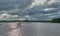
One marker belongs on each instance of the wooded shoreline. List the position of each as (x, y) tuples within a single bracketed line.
[(57, 20)]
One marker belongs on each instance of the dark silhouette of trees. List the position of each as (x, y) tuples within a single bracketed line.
[(57, 20)]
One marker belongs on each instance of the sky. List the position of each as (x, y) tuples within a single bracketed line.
[(30, 9)]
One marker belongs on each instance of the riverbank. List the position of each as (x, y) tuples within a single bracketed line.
[(57, 20)]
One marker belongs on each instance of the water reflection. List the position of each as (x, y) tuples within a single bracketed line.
[(10, 29), (29, 29), (14, 31)]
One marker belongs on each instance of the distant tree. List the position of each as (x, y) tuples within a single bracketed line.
[(56, 20)]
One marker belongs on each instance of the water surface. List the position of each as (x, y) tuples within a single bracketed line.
[(29, 29)]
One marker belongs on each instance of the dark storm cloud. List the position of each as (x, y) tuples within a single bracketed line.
[(33, 9), (11, 4)]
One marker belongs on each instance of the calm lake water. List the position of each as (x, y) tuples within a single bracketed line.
[(29, 29)]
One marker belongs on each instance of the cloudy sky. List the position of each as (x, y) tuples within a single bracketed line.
[(30, 9)]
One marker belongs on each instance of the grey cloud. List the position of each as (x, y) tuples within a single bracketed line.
[(54, 5), (12, 4), (16, 7)]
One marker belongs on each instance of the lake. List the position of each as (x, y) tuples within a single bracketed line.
[(29, 29)]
